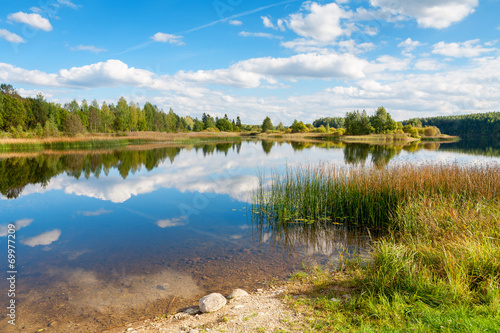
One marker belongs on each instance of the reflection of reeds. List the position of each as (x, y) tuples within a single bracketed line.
[(367, 196)]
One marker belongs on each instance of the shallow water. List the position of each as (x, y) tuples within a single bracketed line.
[(108, 237)]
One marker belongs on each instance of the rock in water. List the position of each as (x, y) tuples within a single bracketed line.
[(212, 302), (236, 293)]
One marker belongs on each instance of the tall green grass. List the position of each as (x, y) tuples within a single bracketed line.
[(366, 196), (437, 269)]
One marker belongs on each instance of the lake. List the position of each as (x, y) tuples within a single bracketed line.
[(112, 236)]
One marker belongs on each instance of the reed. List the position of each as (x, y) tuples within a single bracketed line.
[(366, 196), (437, 269)]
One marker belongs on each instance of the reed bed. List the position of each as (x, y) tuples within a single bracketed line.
[(367, 196), (437, 269)]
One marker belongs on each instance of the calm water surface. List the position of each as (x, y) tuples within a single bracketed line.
[(108, 237)]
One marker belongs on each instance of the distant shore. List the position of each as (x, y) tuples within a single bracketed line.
[(102, 140)]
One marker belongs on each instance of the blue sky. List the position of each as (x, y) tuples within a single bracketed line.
[(283, 59)]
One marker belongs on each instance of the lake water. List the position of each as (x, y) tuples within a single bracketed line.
[(113, 236)]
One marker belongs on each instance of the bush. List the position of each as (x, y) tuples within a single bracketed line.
[(73, 125)]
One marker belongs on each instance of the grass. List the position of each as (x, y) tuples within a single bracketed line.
[(108, 141), (365, 196), (437, 269)]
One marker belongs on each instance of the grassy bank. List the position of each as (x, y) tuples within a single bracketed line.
[(111, 141), (436, 270)]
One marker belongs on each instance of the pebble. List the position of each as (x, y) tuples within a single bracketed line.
[(212, 302), (236, 293)]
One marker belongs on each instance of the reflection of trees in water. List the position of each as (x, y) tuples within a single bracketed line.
[(267, 145), (318, 238), (357, 153), (17, 173), (484, 146)]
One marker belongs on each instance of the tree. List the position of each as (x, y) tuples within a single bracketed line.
[(357, 123), (238, 121), (108, 118), (14, 113), (414, 122), (267, 125), (208, 121), (122, 115), (73, 125), (281, 127), (224, 125), (298, 127), (189, 123), (198, 125)]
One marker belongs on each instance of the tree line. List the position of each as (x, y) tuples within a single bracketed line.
[(470, 125), (38, 117)]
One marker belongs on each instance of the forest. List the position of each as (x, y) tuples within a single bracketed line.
[(37, 117), (25, 117), (470, 125)]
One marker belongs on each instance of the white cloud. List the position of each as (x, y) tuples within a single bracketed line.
[(436, 14), (409, 45), (34, 20), (67, 3), (11, 37), (169, 223), (22, 223), (167, 38), (46, 238), (259, 34), (98, 212), (36, 10), (469, 49), (267, 22), (321, 23), (428, 65), (90, 48), (280, 24), (235, 22)]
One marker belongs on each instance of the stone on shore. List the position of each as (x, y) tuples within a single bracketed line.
[(237, 293), (212, 302)]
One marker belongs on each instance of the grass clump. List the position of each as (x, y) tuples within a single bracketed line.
[(366, 196), (437, 269)]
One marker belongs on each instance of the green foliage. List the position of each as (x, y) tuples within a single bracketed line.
[(335, 122), (298, 127), (73, 125), (471, 125), (357, 123), (208, 121), (224, 125), (267, 125), (281, 127), (14, 113), (414, 122)]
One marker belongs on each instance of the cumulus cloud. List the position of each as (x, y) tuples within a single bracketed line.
[(167, 38), (46, 238), (235, 22), (169, 223), (22, 223), (427, 64), (90, 48), (321, 23), (409, 45), (10, 36), (33, 19), (259, 34), (438, 14), (468, 49)]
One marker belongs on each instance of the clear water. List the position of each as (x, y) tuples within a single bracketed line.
[(109, 237)]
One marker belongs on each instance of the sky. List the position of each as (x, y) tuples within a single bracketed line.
[(283, 59)]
